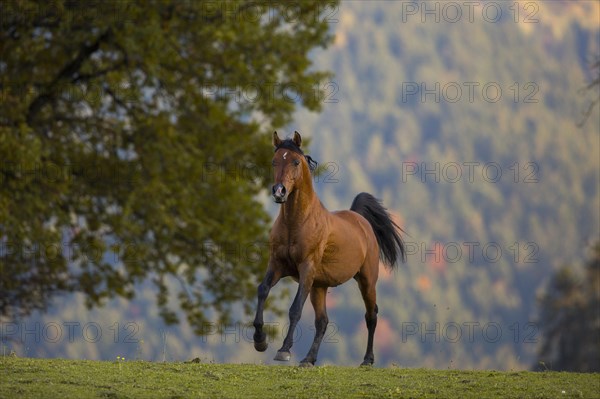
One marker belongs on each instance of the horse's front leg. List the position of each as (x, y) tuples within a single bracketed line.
[(304, 286), (260, 338)]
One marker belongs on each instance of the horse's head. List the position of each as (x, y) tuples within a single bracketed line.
[(290, 166)]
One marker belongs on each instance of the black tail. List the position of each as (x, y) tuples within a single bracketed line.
[(387, 232)]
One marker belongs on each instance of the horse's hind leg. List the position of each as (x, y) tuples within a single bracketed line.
[(317, 298), (367, 289)]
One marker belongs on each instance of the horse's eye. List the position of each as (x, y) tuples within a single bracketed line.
[(273, 163), (296, 162)]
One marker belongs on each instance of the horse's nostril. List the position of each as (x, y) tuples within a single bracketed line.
[(278, 190)]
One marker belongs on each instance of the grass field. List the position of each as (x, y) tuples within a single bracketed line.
[(54, 378)]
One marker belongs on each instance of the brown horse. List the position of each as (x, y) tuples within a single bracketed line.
[(321, 249)]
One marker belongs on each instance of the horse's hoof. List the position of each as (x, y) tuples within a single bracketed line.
[(283, 356), (306, 364), (366, 363), (261, 346)]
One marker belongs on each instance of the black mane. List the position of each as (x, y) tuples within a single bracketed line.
[(289, 144)]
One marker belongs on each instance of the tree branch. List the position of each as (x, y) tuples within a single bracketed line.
[(49, 95)]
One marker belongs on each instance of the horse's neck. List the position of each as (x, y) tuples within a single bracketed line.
[(301, 205)]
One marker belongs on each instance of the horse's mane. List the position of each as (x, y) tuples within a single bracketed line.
[(289, 144)]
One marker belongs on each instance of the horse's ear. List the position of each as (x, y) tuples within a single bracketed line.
[(276, 140), (297, 139)]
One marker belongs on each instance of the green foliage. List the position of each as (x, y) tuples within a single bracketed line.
[(134, 143), (27, 378)]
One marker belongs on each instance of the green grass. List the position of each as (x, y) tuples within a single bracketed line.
[(55, 378)]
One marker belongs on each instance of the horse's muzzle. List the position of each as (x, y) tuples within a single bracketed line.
[(279, 193)]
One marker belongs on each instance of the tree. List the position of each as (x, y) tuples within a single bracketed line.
[(570, 319), (134, 139)]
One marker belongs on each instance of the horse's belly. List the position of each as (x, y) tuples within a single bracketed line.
[(332, 277), (339, 264)]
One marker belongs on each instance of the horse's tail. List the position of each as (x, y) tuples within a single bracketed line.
[(386, 231)]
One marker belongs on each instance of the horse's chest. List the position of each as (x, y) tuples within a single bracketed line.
[(291, 252)]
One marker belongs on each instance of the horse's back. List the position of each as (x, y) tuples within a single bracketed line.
[(357, 228), (352, 220)]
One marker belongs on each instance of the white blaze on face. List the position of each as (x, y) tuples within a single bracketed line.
[(284, 155)]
